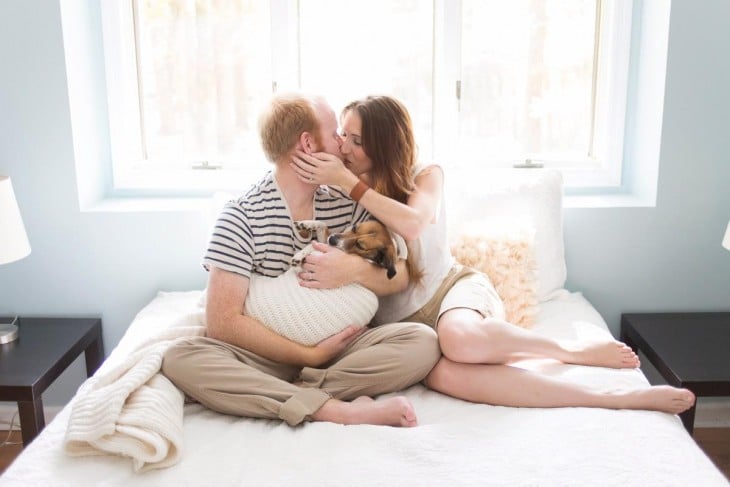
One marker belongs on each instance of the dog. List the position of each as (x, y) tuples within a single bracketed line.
[(307, 315), (371, 240)]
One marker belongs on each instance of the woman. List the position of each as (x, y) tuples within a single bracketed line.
[(379, 170)]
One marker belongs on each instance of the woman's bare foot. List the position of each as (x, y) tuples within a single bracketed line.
[(667, 399), (615, 355), (394, 411)]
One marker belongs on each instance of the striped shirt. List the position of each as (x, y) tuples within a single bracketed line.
[(256, 233)]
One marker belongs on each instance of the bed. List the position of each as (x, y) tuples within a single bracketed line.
[(456, 442)]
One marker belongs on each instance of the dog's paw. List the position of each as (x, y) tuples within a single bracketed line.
[(297, 260), (299, 257), (309, 228)]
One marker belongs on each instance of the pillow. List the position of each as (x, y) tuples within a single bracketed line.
[(305, 315), (301, 314), (509, 263), (527, 200)]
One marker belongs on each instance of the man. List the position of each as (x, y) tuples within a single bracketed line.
[(243, 368)]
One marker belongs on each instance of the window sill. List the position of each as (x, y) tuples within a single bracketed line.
[(608, 201), (149, 204), (205, 204)]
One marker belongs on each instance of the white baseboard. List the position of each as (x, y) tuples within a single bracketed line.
[(8, 409)]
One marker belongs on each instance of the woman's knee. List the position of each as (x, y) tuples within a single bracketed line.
[(441, 376), (466, 338), (456, 338)]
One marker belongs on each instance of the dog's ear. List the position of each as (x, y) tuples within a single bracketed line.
[(386, 258)]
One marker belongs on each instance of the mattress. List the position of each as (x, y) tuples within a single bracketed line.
[(456, 442)]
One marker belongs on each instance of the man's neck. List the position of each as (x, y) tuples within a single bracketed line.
[(298, 195)]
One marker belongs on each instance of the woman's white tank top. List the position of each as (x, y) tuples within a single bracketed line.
[(433, 256)]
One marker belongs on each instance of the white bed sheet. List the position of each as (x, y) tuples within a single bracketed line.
[(456, 443)]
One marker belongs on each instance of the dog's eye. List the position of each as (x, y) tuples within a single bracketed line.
[(360, 245)]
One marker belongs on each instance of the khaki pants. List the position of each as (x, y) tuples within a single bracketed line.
[(234, 381)]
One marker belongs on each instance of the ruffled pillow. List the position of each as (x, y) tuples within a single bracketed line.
[(509, 262)]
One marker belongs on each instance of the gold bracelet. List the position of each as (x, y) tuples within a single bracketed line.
[(358, 190)]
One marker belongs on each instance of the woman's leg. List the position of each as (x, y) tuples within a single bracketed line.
[(465, 336), (504, 385)]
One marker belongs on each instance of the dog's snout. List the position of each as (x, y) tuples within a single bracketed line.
[(333, 239)]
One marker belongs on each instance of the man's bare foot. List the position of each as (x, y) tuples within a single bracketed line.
[(667, 399), (394, 411), (615, 355)]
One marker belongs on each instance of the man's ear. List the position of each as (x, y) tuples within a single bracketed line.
[(306, 141)]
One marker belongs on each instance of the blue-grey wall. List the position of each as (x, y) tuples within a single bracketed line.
[(112, 264)]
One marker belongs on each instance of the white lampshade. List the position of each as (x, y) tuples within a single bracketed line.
[(14, 243), (726, 240)]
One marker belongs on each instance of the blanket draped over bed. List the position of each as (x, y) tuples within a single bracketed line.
[(132, 410)]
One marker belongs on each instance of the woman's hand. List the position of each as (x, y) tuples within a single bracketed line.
[(328, 268), (322, 168)]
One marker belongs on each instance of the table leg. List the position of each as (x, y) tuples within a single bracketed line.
[(688, 419), (94, 355), (32, 420)]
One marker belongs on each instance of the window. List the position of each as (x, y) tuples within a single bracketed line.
[(488, 83)]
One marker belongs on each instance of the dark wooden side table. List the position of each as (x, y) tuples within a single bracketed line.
[(44, 349), (690, 350)]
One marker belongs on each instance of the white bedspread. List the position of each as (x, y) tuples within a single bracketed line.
[(457, 443)]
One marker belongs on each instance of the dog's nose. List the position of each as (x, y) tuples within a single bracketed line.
[(333, 239)]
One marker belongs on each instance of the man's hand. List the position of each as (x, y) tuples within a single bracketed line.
[(330, 268), (331, 347)]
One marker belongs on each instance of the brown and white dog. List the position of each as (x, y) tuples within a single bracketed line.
[(371, 240)]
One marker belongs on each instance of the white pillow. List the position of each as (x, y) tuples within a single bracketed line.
[(306, 315), (505, 201)]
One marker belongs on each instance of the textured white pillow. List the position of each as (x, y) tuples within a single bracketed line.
[(510, 200), (306, 315)]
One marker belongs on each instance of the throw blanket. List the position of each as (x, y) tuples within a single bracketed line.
[(132, 410)]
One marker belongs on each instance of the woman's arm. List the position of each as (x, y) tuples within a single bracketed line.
[(411, 219), (408, 220)]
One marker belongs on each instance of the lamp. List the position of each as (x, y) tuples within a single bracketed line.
[(13, 243), (726, 240)]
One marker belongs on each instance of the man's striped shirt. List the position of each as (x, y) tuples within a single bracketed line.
[(256, 234)]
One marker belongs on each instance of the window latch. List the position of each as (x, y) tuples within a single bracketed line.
[(207, 165), (528, 164)]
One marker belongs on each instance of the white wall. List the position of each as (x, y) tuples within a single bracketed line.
[(112, 264)]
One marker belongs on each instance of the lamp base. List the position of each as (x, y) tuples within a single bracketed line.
[(8, 331)]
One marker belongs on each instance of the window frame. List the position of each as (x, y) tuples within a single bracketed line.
[(126, 131)]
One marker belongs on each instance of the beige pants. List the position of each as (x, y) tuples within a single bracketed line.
[(234, 381)]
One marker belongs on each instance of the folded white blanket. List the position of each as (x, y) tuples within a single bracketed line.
[(132, 409)]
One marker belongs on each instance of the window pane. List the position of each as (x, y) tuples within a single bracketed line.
[(352, 48), (527, 78), (204, 68)]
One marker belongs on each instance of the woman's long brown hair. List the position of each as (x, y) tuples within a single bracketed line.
[(387, 139)]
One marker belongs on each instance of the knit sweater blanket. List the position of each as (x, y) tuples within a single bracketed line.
[(307, 315), (132, 410)]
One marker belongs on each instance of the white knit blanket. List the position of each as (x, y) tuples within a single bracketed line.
[(132, 409), (307, 315)]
